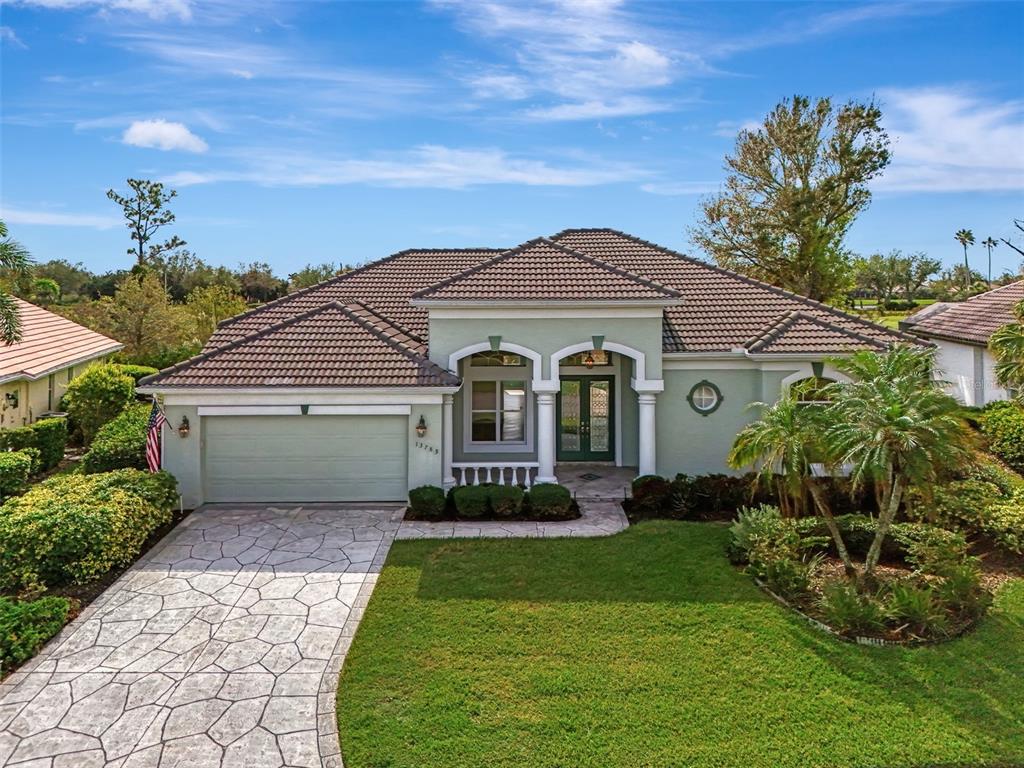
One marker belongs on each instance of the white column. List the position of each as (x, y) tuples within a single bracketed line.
[(648, 443), (546, 437), (447, 441)]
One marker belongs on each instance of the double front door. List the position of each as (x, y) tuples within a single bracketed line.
[(586, 424)]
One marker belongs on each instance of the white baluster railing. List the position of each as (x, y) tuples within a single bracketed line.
[(498, 472)]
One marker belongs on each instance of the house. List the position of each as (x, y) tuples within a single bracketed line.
[(36, 371), (454, 366), (961, 332)]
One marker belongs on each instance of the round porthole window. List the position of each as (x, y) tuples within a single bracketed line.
[(704, 398)]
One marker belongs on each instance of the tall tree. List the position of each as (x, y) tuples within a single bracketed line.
[(209, 304), (258, 283), (989, 244), (915, 271), (311, 274), (15, 259), (1019, 225), (965, 237), (145, 212), (878, 274), (795, 186), (1007, 345)]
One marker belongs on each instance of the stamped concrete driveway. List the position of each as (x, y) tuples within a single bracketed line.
[(220, 648)]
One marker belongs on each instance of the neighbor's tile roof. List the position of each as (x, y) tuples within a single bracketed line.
[(721, 310), (972, 321), (49, 343), (332, 345), (540, 270)]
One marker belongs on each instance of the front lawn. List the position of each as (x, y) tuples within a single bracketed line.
[(649, 649)]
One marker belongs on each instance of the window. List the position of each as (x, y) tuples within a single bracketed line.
[(811, 390), (588, 359), (51, 385), (704, 398), (495, 359), (71, 373), (498, 411)]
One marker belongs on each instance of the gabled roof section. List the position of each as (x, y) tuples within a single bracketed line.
[(972, 321), (49, 343), (798, 332), (333, 345), (543, 271), (721, 310)]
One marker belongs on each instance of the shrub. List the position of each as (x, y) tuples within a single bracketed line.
[(1003, 425), (120, 443), (550, 501), (48, 436), (961, 591), (751, 524), (789, 577), (715, 494), (15, 468), (650, 494), (427, 502), (26, 625), (956, 504), (858, 532), (96, 397), (73, 529), (505, 500), (470, 501), (1004, 522), (848, 611), (916, 608), (136, 371)]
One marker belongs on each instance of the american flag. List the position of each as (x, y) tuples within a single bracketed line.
[(156, 421)]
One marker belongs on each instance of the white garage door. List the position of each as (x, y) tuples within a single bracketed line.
[(305, 458)]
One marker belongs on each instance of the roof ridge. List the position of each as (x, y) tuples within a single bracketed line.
[(384, 318), (989, 292), (770, 332), (786, 321), (640, 279), (753, 281), (397, 346)]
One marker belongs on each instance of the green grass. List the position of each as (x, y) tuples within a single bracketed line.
[(649, 649)]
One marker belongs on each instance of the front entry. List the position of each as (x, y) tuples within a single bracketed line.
[(586, 422)]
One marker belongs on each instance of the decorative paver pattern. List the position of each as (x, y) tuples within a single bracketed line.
[(597, 518), (220, 648)]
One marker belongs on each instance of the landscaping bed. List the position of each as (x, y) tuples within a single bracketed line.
[(491, 502)]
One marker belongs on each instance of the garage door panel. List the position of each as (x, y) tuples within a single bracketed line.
[(305, 458)]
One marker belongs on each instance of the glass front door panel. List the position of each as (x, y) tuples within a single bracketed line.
[(569, 429), (586, 419), (600, 416)]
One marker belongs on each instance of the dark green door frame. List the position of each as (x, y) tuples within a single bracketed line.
[(586, 421)]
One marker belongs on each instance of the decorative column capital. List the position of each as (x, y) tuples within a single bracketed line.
[(647, 398), (447, 399), (546, 398)]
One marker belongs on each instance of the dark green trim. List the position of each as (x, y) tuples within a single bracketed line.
[(305, 410), (598, 341), (585, 454), (495, 343), (818, 369), (698, 385)]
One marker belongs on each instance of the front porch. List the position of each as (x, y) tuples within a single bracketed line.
[(597, 482)]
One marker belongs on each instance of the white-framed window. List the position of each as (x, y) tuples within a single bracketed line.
[(704, 397), (497, 411)]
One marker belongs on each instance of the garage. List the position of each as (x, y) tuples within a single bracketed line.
[(305, 458)]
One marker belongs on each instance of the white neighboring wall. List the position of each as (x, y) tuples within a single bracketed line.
[(970, 371)]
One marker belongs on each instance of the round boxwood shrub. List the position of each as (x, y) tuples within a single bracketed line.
[(120, 443), (72, 529), (26, 625), (1003, 425), (470, 501), (97, 396), (505, 500), (427, 502), (15, 469), (550, 501), (48, 436)]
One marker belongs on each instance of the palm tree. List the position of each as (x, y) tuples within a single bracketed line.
[(895, 426), (15, 259), (1007, 344), (990, 243), (782, 444), (965, 237)]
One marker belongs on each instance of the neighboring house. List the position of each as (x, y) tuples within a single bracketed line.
[(36, 371), (961, 331), (449, 366)]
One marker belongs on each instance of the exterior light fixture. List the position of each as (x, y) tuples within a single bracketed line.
[(11, 398), (184, 428), (421, 426), (588, 361)]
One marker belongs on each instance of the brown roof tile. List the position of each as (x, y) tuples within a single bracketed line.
[(972, 321), (49, 342), (332, 345), (798, 332), (540, 270)]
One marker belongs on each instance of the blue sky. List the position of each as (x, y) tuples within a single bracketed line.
[(302, 132)]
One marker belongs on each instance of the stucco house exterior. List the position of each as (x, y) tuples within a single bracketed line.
[(458, 366), (960, 332), (36, 371)]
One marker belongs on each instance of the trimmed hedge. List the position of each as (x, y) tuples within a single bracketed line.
[(97, 396), (470, 501), (136, 371), (550, 501), (120, 443), (1004, 522), (427, 502), (72, 529), (505, 500), (15, 469), (26, 625), (48, 436), (1003, 424)]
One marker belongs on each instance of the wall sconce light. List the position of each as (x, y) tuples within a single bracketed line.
[(421, 426), (11, 399), (184, 428), (588, 361)]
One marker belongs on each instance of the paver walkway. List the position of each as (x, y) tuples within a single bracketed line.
[(220, 648)]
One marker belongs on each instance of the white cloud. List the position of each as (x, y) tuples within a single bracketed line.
[(598, 109), (49, 218), (681, 188), (160, 134), (425, 166), (952, 140), (154, 9), (9, 37)]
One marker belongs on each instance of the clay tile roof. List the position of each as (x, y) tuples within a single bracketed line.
[(720, 310), (49, 343), (799, 332), (972, 321), (540, 270), (332, 345)]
